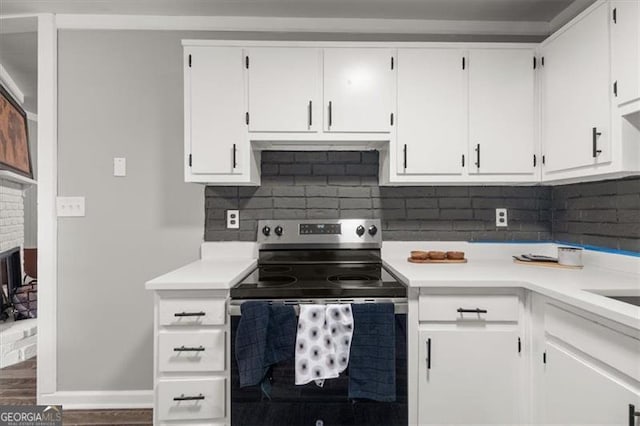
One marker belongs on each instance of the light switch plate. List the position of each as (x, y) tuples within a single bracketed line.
[(119, 166), (233, 219), (70, 206), (501, 218)]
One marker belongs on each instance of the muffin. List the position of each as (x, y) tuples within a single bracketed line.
[(437, 255), (419, 255), (455, 255)]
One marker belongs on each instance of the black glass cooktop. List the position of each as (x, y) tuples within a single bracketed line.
[(318, 280)]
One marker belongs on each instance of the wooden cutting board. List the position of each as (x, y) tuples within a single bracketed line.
[(412, 260), (546, 264)]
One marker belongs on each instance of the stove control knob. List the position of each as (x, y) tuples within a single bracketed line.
[(266, 231), (373, 230), (360, 231), (278, 230)]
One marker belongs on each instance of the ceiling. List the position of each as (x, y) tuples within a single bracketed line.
[(466, 10)]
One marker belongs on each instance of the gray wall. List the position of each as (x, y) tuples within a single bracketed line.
[(120, 94), (604, 214), (317, 185), (31, 193)]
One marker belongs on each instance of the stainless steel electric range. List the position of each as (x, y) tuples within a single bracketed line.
[(318, 261)]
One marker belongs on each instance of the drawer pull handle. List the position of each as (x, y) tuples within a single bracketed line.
[(472, 311), (428, 354), (189, 314), (199, 397), (189, 349)]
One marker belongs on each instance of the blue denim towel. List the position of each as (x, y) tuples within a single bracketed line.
[(266, 335), (372, 363)]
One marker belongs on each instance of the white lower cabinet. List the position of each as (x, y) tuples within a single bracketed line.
[(191, 367), (586, 369), (577, 392), (470, 364), (469, 376), (193, 399)]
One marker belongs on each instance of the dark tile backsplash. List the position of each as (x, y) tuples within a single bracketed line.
[(604, 214), (321, 185), (328, 185)]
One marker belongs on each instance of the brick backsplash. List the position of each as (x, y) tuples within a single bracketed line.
[(604, 214), (11, 215), (339, 184)]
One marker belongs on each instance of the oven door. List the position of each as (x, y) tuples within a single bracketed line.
[(311, 405)]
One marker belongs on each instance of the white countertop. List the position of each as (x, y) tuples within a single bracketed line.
[(490, 265), (221, 267)]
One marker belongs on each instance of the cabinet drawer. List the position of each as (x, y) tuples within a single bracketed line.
[(605, 344), (191, 351), (192, 311), (196, 399), (445, 307)]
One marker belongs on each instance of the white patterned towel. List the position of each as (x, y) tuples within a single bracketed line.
[(323, 342)]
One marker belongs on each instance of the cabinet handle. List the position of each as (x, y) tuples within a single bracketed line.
[(199, 397), (310, 113), (594, 138), (189, 349), (633, 414), (189, 314), (235, 161), (404, 152), (478, 155), (462, 160), (330, 114), (428, 354), (472, 311)]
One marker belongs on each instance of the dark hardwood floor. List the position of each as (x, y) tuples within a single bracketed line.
[(18, 387)]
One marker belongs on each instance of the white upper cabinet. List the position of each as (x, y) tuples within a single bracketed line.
[(284, 89), (625, 44), (358, 90), (576, 94), (216, 138), (431, 121), (501, 111)]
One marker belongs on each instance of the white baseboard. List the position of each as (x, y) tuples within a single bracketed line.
[(98, 400)]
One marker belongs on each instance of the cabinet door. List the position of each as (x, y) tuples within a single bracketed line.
[(358, 87), (432, 133), (625, 45), (216, 110), (469, 377), (576, 94), (501, 111), (577, 394), (284, 85)]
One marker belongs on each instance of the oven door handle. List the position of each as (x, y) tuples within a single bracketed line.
[(400, 304)]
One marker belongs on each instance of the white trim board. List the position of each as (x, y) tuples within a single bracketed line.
[(303, 25), (98, 400), (47, 193), (15, 177)]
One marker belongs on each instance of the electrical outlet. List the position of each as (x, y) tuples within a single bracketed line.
[(233, 219), (501, 218), (70, 206)]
